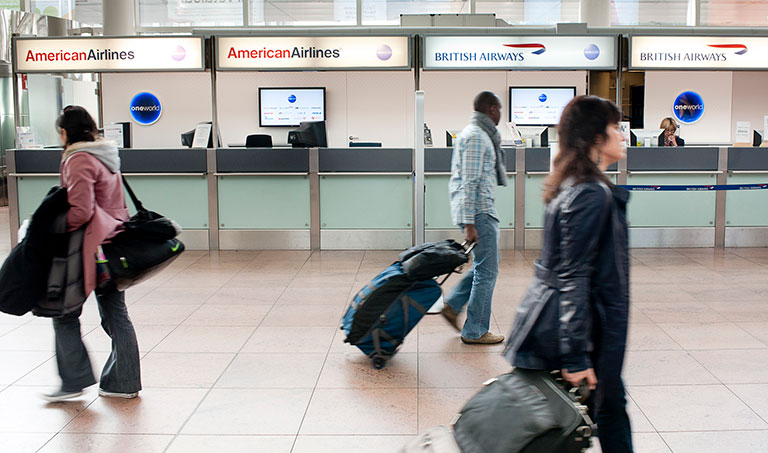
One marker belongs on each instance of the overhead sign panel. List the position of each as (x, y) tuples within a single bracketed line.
[(175, 53), (698, 52), (520, 52), (312, 52)]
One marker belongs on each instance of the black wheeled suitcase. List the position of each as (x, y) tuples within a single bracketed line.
[(525, 411)]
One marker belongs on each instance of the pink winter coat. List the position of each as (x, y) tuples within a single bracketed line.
[(90, 171)]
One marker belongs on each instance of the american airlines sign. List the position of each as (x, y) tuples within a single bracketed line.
[(276, 53), (108, 54)]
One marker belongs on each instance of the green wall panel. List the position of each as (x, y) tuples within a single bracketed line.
[(534, 201), (263, 202), (366, 202), (437, 209), (671, 209), (181, 198), (31, 190), (746, 208)]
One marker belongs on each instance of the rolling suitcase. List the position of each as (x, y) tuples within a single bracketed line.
[(390, 306), (525, 411)]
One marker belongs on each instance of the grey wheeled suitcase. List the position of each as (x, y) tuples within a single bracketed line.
[(525, 411)]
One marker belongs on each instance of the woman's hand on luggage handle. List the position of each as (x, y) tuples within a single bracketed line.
[(575, 378), (470, 234)]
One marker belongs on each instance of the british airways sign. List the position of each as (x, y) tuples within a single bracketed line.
[(698, 52), (520, 52)]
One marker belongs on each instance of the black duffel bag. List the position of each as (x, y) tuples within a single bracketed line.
[(145, 247), (433, 259)]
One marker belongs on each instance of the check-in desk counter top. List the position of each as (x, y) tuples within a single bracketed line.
[(263, 198), (746, 219), (366, 197), (680, 218), (437, 210), (169, 181)]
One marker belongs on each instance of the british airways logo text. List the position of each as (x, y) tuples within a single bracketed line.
[(296, 52), (491, 56), (741, 49)]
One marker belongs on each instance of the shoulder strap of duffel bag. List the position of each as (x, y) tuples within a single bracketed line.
[(136, 202)]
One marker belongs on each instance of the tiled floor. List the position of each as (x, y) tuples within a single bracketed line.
[(241, 352)]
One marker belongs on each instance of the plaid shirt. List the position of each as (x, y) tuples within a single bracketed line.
[(473, 176)]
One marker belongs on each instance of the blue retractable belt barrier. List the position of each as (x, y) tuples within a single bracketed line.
[(699, 188)]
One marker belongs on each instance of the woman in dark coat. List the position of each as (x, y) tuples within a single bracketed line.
[(574, 315)]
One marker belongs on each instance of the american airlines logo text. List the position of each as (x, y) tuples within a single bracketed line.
[(296, 52), (93, 55)]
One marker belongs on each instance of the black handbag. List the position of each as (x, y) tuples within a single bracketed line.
[(146, 246)]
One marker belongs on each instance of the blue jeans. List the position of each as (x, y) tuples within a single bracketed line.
[(476, 287), (121, 372)]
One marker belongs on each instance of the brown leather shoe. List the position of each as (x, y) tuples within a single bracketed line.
[(450, 315), (487, 338)]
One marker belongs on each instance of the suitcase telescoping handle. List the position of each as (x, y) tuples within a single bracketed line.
[(467, 250)]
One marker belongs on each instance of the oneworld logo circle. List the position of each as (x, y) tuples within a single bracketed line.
[(292, 98), (145, 108), (688, 107), (179, 53), (543, 97), (384, 52), (591, 52)]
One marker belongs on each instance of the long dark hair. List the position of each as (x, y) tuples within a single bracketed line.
[(78, 123), (582, 125)]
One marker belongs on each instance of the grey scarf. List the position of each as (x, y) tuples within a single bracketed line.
[(482, 121)]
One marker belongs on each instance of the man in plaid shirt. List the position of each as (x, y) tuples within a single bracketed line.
[(477, 166)]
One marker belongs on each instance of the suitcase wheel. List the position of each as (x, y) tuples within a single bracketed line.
[(378, 362)]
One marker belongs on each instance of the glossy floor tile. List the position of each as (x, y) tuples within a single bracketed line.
[(242, 352)]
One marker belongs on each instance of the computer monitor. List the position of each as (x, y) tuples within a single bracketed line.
[(188, 137), (644, 137), (534, 136), (757, 138), (290, 107), (538, 106), (310, 134)]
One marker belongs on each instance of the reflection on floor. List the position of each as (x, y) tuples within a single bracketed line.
[(241, 352)]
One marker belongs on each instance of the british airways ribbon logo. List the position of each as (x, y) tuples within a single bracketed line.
[(742, 48), (540, 47)]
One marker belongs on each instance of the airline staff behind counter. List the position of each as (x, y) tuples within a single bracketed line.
[(668, 137)]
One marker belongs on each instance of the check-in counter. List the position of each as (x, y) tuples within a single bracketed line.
[(746, 219), (537, 162), (672, 218), (169, 181), (263, 198), (366, 198), (437, 212)]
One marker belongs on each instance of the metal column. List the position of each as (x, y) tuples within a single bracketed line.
[(13, 196), (722, 175), (520, 178), (314, 199), (418, 170), (213, 200)]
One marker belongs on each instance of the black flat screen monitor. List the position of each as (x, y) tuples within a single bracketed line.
[(757, 138), (538, 106), (310, 134), (189, 136), (289, 107)]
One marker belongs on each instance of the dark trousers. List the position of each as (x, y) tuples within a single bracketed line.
[(608, 404), (121, 373)]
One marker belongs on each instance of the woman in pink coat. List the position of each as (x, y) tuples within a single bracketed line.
[(90, 171)]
